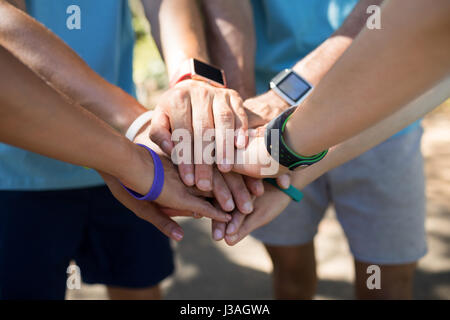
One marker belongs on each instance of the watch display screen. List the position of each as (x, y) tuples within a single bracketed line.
[(208, 71), (294, 87)]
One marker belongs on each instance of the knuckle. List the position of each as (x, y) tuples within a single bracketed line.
[(179, 95), (225, 115)]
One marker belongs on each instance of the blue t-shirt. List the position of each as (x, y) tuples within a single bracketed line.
[(105, 41), (288, 30)]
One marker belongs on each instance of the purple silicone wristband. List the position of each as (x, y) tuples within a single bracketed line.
[(158, 180)]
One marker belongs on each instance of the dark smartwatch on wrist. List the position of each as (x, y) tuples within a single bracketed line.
[(198, 70), (294, 89)]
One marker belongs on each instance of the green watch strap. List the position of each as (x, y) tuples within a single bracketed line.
[(292, 191)]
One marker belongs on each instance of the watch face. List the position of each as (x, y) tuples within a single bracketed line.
[(208, 72), (294, 87)]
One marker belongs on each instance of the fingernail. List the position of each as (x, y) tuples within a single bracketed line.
[(231, 228), (189, 178), (204, 185), (232, 238), (284, 180), (240, 140), (178, 234), (247, 207), (229, 217), (260, 188), (229, 205), (197, 215), (225, 167), (218, 234)]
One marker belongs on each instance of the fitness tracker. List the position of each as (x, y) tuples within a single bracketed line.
[(278, 148), (158, 179), (138, 124), (198, 70), (291, 87), (292, 191)]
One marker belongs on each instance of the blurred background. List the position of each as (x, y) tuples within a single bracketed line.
[(206, 269)]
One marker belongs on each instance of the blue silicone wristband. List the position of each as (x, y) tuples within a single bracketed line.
[(292, 191), (158, 179)]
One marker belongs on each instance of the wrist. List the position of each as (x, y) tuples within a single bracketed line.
[(126, 109), (264, 108), (137, 172)]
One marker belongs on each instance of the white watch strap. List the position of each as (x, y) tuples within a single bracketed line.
[(138, 124)]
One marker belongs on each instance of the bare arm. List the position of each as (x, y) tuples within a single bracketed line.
[(231, 41), (369, 138), (47, 55), (313, 67), (191, 105), (177, 27), (35, 117), (382, 71)]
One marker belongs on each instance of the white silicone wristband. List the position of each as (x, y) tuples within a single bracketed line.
[(138, 124)]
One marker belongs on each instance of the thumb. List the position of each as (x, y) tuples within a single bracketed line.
[(160, 131)]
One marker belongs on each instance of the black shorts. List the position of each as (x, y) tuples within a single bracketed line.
[(41, 232)]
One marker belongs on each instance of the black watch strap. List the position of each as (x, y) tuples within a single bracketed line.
[(278, 149)]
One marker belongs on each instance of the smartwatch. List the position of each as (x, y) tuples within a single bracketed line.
[(294, 89), (199, 70), (291, 87)]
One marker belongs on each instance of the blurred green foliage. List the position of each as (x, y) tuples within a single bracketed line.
[(149, 69)]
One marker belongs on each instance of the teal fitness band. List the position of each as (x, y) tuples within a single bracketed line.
[(292, 191)]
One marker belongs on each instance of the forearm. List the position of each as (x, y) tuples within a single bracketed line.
[(369, 138), (409, 54), (35, 117), (231, 42), (48, 56), (313, 67), (177, 27), (317, 63)]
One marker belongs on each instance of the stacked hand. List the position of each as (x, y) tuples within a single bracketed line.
[(197, 107)]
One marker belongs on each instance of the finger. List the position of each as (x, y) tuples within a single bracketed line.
[(160, 131), (203, 127), (255, 186), (224, 126), (284, 181), (162, 222), (241, 195), (250, 223), (176, 213), (218, 230), (241, 121), (181, 124), (144, 210), (203, 208), (222, 193), (235, 223)]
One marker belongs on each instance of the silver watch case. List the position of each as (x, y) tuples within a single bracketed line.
[(279, 78)]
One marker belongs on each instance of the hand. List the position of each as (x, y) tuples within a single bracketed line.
[(144, 209), (267, 208), (256, 162), (231, 190), (263, 108), (200, 108), (174, 195)]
